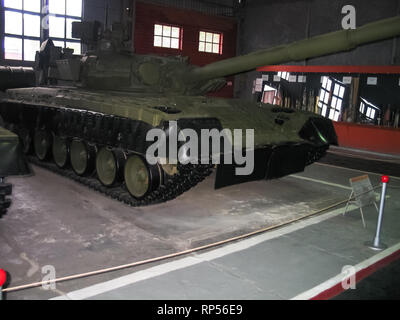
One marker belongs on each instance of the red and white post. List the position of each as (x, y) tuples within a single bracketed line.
[(376, 244), (3, 277)]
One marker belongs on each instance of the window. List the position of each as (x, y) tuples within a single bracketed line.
[(331, 98), (210, 42), (61, 15), (368, 111), (166, 36), (284, 75), (21, 29), (24, 27), (269, 94)]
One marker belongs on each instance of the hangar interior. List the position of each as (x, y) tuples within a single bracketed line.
[(82, 81)]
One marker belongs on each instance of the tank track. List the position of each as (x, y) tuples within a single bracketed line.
[(102, 130), (188, 177), (5, 202)]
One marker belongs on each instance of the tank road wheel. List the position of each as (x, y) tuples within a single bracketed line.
[(140, 177), (60, 151), (82, 157), (42, 143), (26, 140), (108, 166)]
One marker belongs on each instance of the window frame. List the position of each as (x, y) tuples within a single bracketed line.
[(22, 37), (180, 38), (365, 108), (220, 44), (65, 16), (283, 75), (44, 33), (328, 104)]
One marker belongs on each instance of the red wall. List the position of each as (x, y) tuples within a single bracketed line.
[(366, 137), (191, 22)]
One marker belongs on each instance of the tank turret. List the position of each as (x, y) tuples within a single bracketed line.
[(109, 64)]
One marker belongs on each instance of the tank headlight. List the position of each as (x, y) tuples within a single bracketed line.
[(323, 139)]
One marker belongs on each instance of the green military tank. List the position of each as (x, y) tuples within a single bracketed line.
[(89, 117), (12, 163)]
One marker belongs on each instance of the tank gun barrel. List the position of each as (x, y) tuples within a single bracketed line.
[(320, 45)]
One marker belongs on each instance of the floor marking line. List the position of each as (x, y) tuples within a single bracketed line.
[(334, 281), (363, 151), (320, 181), (349, 155), (165, 268), (333, 166)]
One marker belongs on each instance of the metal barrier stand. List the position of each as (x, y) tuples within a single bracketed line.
[(376, 244), (3, 277)]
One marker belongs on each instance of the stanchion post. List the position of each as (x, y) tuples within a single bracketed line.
[(376, 244), (3, 277)]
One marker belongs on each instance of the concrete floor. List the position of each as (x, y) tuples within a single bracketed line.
[(55, 221)]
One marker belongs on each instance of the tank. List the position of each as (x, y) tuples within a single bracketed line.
[(12, 163), (16, 77), (90, 116)]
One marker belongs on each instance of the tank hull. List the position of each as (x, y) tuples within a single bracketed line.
[(284, 140)]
